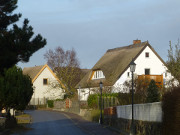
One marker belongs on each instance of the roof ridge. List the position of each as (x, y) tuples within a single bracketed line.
[(35, 66), (129, 46)]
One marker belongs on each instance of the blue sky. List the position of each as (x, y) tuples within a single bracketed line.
[(92, 27)]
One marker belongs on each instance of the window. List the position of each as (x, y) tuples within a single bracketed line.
[(127, 74), (98, 74), (147, 71), (147, 54), (45, 81)]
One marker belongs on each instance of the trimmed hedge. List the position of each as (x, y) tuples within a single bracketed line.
[(126, 98), (123, 99)]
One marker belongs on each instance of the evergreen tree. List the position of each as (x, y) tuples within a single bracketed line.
[(153, 94), (17, 89), (17, 44)]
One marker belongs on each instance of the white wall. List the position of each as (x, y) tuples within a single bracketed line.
[(152, 62), (84, 93), (144, 112), (47, 91)]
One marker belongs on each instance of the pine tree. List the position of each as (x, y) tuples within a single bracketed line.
[(17, 44), (153, 94)]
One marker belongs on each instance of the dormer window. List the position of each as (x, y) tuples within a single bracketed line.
[(98, 74)]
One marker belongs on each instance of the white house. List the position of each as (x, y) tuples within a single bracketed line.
[(113, 68), (46, 84)]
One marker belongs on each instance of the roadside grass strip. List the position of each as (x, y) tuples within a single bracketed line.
[(23, 119)]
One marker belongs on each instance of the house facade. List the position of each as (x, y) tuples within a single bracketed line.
[(46, 84), (113, 68)]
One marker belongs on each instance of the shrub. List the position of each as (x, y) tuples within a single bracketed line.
[(93, 101), (124, 98), (50, 103), (171, 112), (153, 94)]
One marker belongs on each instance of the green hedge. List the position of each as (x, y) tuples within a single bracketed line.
[(123, 99), (126, 98), (50, 103), (93, 101)]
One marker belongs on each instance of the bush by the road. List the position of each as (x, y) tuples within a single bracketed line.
[(171, 112), (50, 103), (93, 101)]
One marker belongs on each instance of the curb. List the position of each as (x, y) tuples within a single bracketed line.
[(77, 124)]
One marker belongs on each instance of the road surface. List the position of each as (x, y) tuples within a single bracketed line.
[(51, 123)]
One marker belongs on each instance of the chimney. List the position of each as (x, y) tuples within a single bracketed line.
[(136, 41)]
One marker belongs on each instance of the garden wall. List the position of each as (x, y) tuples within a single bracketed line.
[(144, 112), (147, 117), (67, 105)]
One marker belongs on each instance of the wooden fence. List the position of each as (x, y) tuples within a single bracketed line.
[(145, 79)]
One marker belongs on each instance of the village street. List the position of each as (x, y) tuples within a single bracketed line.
[(58, 123), (51, 123)]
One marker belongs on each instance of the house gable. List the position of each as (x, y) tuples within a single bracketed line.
[(45, 83), (153, 64), (34, 73), (45, 79), (146, 49), (150, 65)]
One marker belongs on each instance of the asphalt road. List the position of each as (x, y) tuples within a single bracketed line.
[(51, 123)]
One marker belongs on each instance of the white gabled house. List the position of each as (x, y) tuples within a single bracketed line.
[(46, 84), (113, 68)]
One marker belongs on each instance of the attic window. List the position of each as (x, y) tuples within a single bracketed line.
[(98, 74), (45, 81), (147, 54)]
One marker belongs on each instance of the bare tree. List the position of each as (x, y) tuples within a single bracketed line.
[(173, 63), (66, 66)]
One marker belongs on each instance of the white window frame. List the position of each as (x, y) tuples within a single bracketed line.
[(98, 74)]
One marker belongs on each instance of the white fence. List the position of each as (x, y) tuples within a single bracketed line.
[(145, 112)]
